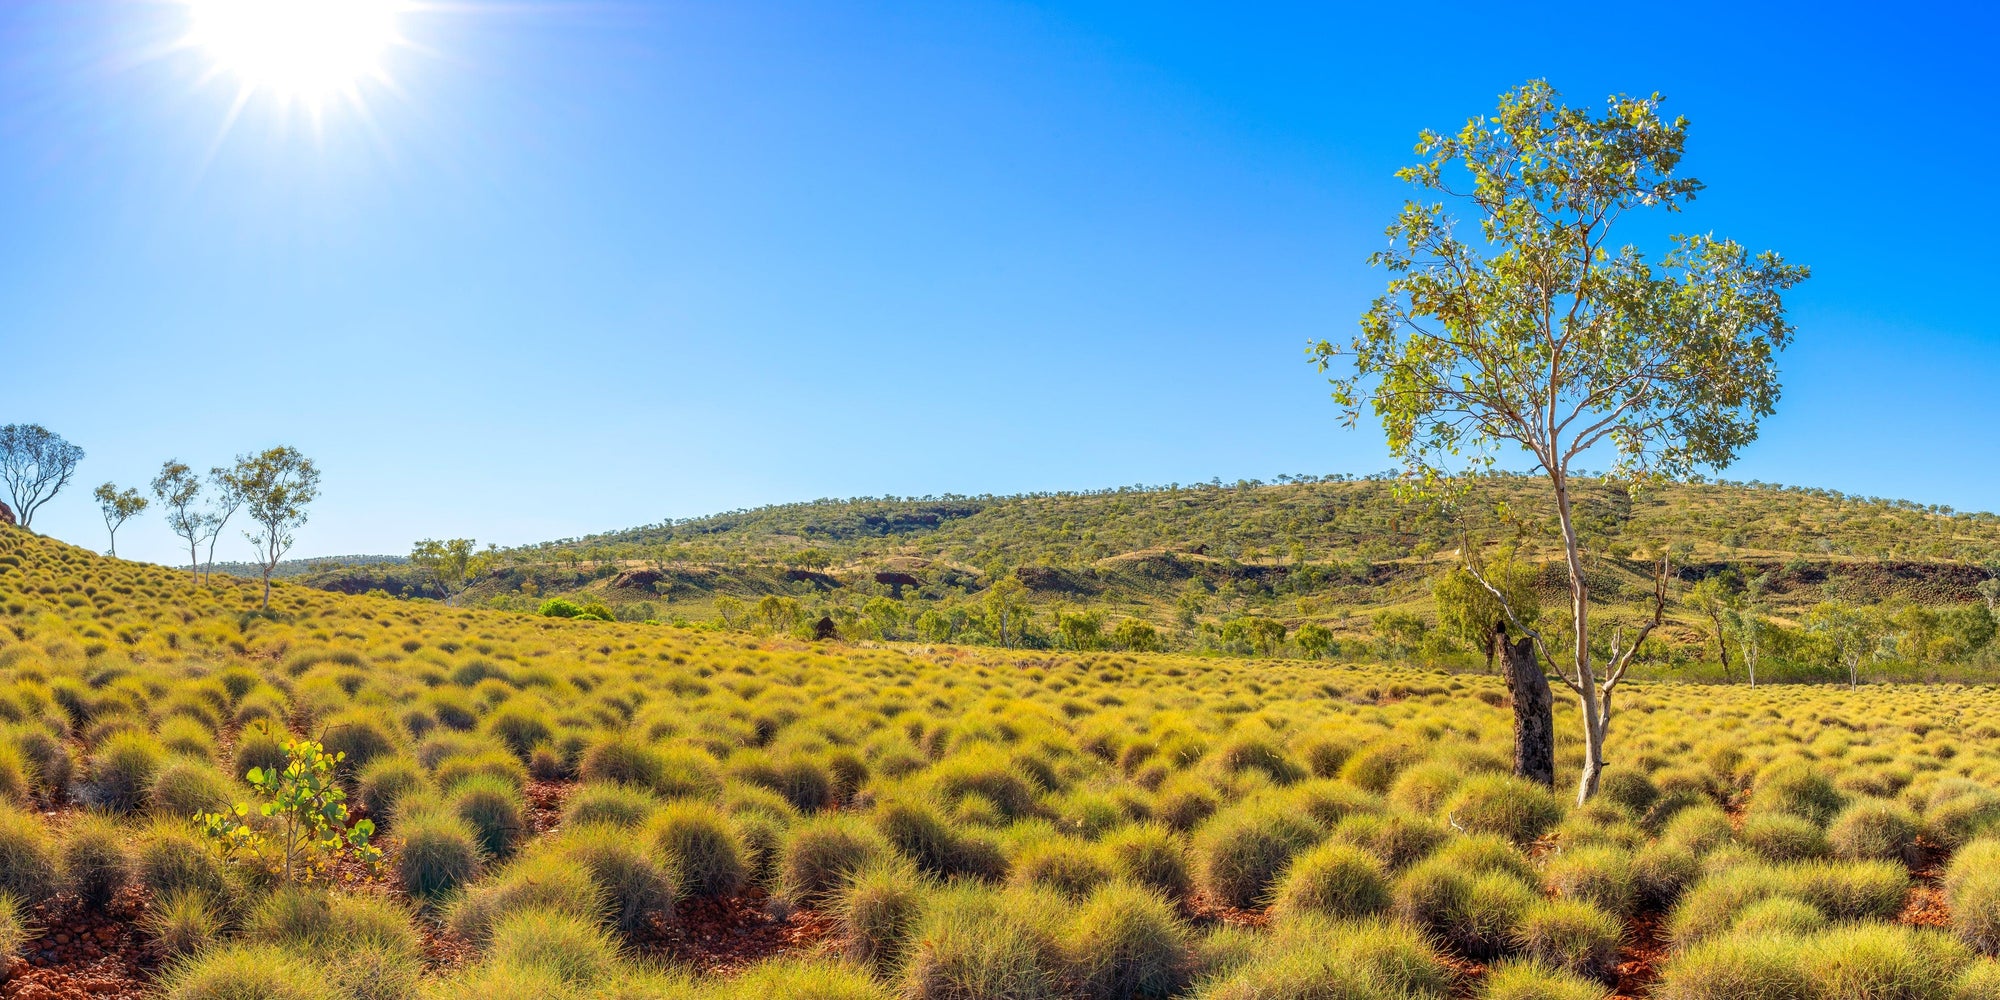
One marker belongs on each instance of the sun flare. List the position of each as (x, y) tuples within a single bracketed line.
[(296, 49)]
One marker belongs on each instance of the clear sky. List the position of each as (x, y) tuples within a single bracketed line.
[(569, 267)]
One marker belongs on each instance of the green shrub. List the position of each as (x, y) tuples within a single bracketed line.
[(1316, 959), (1150, 856), (1661, 872), (1529, 981), (439, 853), (1474, 913), (261, 744), (1332, 880), (1505, 805), (122, 771), (821, 853), (1778, 915), (804, 978), (976, 943), (1067, 867), (170, 860), (489, 764), (493, 808), (385, 783), (1959, 810), (520, 726), (1880, 962), (605, 802), (361, 735), (1784, 837), (1974, 902), (635, 884), (541, 880), (702, 845), (1127, 942), (1480, 853), (1851, 890), (182, 923), (326, 923), (1256, 753), (1240, 854), (1398, 839), (878, 910), (245, 972), (1571, 935), (184, 788), (93, 860), (1700, 829), (1797, 789), (559, 607), (576, 950), (1874, 829), (1628, 788), (27, 858), (1600, 876), (1979, 981), (1738, 968)]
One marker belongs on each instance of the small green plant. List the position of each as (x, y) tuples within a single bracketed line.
[(309, 810)]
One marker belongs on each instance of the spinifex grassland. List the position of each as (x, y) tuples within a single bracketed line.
[(599, 809)]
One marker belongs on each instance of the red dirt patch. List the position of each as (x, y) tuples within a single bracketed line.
[(722, 936), (1640, 956), (83, 954)]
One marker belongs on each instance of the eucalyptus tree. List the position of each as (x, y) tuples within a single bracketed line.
[(178, 490), (117, 509), (35, 464), (278, 484), (1534, 332), (451, 563), (227, 499)]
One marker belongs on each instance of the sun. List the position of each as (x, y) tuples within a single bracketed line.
[(306, 50)]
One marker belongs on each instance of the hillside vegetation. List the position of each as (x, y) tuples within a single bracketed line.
[(577, 808), (1318, 567)]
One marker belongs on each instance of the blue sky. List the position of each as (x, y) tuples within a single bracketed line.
[(590, 265)]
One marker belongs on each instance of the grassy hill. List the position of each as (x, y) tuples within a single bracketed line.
[(600, 810), (1208, 567)]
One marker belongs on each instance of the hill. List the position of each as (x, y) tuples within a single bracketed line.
[(1254, 567), (601, 809)]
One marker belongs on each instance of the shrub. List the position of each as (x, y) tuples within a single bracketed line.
[(1571, 935), (1628, 788), (93, 860), (605, 802), (1661, 872), (1957, 811), (325, 923), (702, 845), (1871, 962), (1738, 968), (360, 736), (185, 788), (1240, 854), (1375, 768), (539, 881), (260, 744), (185, 736), (821, 853), (1979, 981), (574, 949), (1778, 915), (1127, 942), (1185, 805), (878, 910), (1784, 837), (1874, 829), (1528, 981), (1332, 880), (439, 853), (1700, 829), (122, 771), (182, 923), (1798, 789), (1256, 753), (1480, 853), (1974, 901), (1399, 839), (170, 860), (974, 943), (635, 885), (1852, 890), (13, 934), (245, 972), (1068, 867), (1505, 805), (1317, 959), (385, 783), (1600, 876), (492, 764), (805, 978), (1152, 857), (520, 726), (492, 807), (1426, 787), (1476, 914), (559, 607), (27, 858)]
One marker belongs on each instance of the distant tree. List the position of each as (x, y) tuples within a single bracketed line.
[(178, 490), (35, 464), (1080, 629), (1746, 617), (1712, 599), (451, 564), (1535, 330), (1314, 640), (1006, 607), (934, 626), (812, 560), (1471, 616), (278, 485), (228, 499), (1136, 635), (117, 509), (1847, 633), (729, 609)]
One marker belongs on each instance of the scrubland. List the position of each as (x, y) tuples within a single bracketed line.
[(607, 810)]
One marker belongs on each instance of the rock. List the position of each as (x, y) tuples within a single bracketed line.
[(7, 516)]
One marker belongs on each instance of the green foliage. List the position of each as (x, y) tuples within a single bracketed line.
[(308, 827)]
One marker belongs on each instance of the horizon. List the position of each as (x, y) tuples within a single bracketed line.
[(569, 268)]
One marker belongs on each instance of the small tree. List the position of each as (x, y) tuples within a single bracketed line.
[(228, 500), (177, 490), (1470, 615), (117, 509), (35, 464), (277, 486), (1538, 332), (1006, 607), (1711, 598), (306, 810), (451, 564)]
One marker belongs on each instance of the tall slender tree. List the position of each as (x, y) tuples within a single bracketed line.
[(278, 485), (178, 490), (1534, 330), (228, 499), (35, 464), (117, 509)]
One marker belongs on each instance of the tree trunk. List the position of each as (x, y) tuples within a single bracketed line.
[(1585, 680), (1534, 709)]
